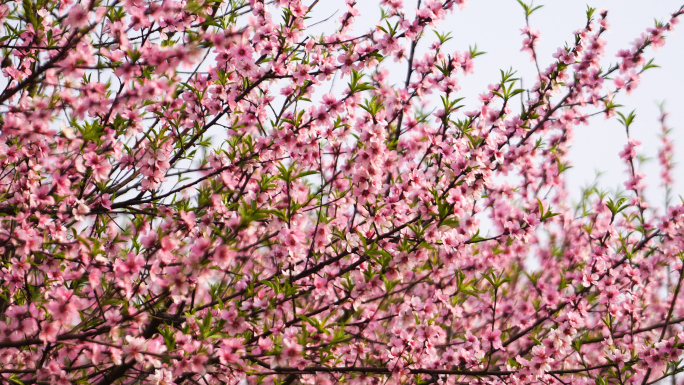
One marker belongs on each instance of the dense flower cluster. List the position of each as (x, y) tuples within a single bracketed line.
[(187, 198)]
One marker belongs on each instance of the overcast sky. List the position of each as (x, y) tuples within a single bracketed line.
[(494, 25)]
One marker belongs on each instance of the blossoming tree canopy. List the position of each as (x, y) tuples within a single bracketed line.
[(186, 197)]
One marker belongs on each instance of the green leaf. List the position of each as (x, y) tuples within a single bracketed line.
[(529, 9), (474, 52), (443, 38), (306, 173), (627, 120)]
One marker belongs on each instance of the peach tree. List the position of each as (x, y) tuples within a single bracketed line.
[(207, 192)]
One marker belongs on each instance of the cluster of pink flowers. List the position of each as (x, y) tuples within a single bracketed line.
[(185, 198), (665, 154)]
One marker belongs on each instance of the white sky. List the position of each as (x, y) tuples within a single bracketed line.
[(494, 25)]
